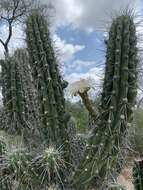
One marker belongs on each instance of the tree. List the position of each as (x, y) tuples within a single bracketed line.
[(12, 11)]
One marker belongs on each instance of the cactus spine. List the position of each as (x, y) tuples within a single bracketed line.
[(138, 175), (48, 81), (118, 99)]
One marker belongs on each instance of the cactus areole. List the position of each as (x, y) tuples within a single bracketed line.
[(117, 103)]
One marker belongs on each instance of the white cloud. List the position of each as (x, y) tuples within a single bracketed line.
[(65, 11), (88, 14), (96, 73), (66, 50), (79, 65)]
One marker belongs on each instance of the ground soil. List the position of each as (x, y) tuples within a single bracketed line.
[(125, 178)]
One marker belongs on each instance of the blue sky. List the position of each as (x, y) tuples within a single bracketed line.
[(87, 30), (92, 41), (78, 31), (92, 53)]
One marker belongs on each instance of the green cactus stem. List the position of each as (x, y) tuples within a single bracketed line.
[(117, 102), (48, 82), (19, 112), (88, 104)]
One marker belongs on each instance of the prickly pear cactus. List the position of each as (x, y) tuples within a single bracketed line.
[(48, 82), (118, 100), (138, 175)]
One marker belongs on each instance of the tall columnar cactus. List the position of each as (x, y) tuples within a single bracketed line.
[(117, 103), (30, 94), (138, 175), (18, 94), (48, 81)]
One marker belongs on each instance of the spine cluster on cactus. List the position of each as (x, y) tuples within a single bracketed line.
[(138, 175), (118, 100), (48, 166), (48, 81)]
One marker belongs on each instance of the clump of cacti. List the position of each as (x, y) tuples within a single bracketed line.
[(117, 102), (33, 98), (138, 174)]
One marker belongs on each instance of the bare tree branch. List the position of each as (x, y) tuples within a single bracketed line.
[(12, 11)]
